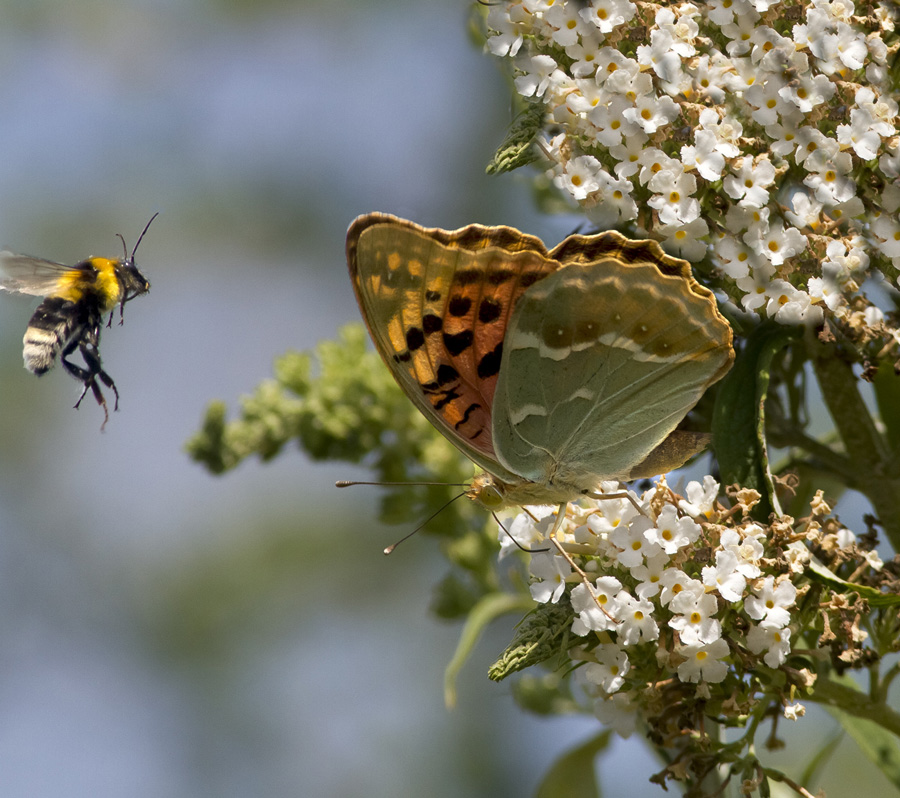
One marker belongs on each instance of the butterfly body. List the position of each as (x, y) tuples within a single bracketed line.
[(552, 371)]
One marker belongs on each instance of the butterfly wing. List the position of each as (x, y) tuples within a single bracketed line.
[(27, 275), (603, 359), (437, 304)]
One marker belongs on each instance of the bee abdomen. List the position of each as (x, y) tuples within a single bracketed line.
[(49, 329)]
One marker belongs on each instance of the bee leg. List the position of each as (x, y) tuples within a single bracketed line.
[(95, 369), (88, 376), (87, 379), (108, 382)]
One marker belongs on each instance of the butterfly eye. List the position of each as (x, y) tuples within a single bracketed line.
[(488, 496)]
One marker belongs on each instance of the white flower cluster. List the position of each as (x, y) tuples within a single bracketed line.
[(655, 610), (742, 124)]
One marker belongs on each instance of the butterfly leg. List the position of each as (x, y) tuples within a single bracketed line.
[(560, 518), (624, 494)]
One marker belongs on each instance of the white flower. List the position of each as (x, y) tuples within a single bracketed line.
[(611, 513), (676, 582), (703, 661), (703, 155), (636, 620), (770, 602), (617, 69), (783, 138), (779, 243), (740, 30), (826, 289), (540, 71), (580, 176), (673, 199), (608, 14), (859, 135), (660, 55), (653, 161), (634, 547), (701, 499), (551, 570), (686, 239), (651, 113), (814, 148), (886, 231), (585, 54), (807, 91), (883, 110), (708, 75), (608, 125), (845, 538), (767, 102), (725, 576), (566, 23), (794, 711), (750, 182), (619, 712), (586, 96), (672, 532), (595, 611), (747, 548), (508, 38), (527, 530), (805, 211), (615, 204), (649, 575), (694, 621), (610, 669), (734, 259), (775, 640), (831, 181)]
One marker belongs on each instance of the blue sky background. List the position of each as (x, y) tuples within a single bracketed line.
[(167, 633)]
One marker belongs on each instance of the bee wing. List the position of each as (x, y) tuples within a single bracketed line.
[(27, 275)]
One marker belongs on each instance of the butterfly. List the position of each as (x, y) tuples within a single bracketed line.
[(551, 370)]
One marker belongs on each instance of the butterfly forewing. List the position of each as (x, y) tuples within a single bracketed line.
[(437, 304)]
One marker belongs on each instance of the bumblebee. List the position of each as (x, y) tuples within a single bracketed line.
[(76, 299)]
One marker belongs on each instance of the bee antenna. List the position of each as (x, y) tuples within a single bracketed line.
[(140, 238)]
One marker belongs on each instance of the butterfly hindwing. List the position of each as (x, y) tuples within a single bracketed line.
[(602, 361)]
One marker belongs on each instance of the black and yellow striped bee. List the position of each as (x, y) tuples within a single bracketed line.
[(76, 298)]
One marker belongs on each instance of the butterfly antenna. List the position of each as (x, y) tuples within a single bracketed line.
[(437, 512), (344, 483)]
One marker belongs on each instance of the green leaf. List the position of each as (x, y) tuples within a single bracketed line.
[(876, 743), (820, 760), (573, 774), (517, 148), (739, 417), (875, 597), (486, 610)]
